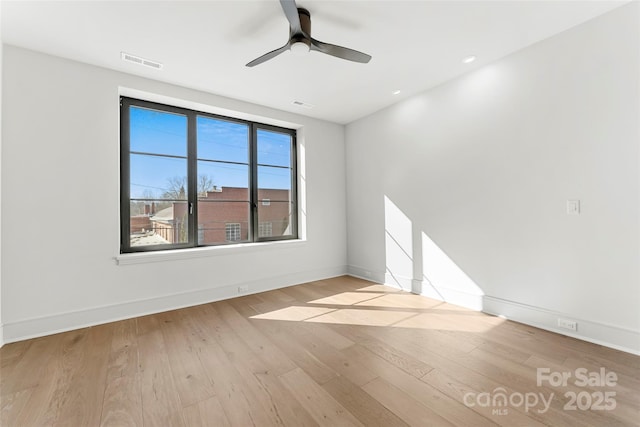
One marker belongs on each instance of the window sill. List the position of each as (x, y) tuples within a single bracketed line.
[(203, 252)]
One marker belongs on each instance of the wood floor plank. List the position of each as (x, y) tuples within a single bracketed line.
[(450, 409), (41, 405), (404, 405), (206, 413), (26, 371), (12, 353), (327, 335), (395, 357), (258, 342), (335, 360), (365, 408), (236, 398), (71, 381), (259, 375), (190, 378), (322, 407), (12, 405), (122, 405), (160, 401), (285, 335), (88, 382), (457, 390), (282, 402), (505, 350)]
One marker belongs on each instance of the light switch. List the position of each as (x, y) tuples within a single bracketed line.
[(573, 207)]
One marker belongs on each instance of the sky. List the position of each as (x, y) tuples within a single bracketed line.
[(222, 152)]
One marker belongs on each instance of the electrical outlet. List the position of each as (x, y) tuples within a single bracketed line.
[(568, 324), (243, 289)]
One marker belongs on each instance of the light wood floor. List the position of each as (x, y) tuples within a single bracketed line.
[(336, 352)]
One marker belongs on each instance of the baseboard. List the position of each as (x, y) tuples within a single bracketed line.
[(449, 295), (397, 281), (420, 287), (363, 273), (1, 335), (62, 322), (612, 336)]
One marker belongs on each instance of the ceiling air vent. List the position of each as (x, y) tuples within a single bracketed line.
[(302, 104), (141, 61)]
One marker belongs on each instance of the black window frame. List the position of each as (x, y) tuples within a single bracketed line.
[(192, 176)]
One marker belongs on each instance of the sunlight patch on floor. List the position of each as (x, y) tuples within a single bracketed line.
[(401, 301), (294, 313), (379, 288), (347, 298), (352, 316), (443, 323)]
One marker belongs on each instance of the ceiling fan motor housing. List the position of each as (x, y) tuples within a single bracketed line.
[(305, 26)]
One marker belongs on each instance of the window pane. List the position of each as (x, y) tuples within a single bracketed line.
[(222, 140), (158, 223), (158, 132), (230, 179), (274, 148), (222, 222), (274, 178), (154, 177), (275, 218)]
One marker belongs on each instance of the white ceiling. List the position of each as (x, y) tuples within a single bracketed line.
[(205, 45)]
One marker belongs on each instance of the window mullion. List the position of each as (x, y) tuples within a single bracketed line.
[(192, 177), (253, 182)]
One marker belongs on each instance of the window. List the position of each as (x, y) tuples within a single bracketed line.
[(232, 232), (265, 229), (190, 178)]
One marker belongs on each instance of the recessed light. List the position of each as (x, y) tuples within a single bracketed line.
[(396, 92), (469, 59)]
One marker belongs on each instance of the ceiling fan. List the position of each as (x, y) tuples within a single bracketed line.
[(300, 38)]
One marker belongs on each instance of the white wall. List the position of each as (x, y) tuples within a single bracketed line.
[(460, 192), (1, 323), (60, 205)]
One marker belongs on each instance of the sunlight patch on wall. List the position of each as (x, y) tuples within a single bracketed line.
[(302, 185), (442, 275)]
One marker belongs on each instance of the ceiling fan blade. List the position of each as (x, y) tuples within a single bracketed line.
[(339, 51), (291, 12), (268, 56)]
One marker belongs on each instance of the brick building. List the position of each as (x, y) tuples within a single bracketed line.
[(223, 217)]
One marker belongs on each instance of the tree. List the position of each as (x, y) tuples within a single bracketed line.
[(177, 187)]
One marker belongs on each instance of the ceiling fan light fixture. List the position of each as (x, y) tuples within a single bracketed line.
[(299, 48)]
